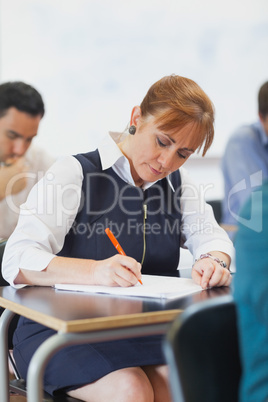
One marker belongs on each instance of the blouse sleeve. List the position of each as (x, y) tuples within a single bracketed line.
[(45, 219), (200, 230)]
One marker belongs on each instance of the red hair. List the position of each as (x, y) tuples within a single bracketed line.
[(177, 101)]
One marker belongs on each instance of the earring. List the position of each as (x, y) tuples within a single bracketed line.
[(132, 130)]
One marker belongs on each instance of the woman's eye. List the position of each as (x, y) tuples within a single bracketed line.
[(161, 143), (181, 155)]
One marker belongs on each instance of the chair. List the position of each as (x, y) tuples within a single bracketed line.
[(202, 351), (2, 248), (18, 385), (217, 209)]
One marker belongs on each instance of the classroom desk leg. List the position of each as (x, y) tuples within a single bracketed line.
[(5, 320), (56, 342)]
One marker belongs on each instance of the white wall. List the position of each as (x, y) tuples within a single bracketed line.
[(94, 60)]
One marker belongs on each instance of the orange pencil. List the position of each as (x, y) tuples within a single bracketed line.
[(117, 245)]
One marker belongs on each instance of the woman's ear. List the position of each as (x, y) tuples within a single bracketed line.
[(135, 115)]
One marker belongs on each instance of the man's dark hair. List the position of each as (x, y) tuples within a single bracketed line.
[(22, 96), (263, 99)]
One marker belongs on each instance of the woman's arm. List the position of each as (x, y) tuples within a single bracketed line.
[(114, 271), (45, 219), (203, 235)]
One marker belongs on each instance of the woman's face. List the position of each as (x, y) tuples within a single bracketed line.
[(154, 154)]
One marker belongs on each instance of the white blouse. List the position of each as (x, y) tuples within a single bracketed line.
[(52, 205)]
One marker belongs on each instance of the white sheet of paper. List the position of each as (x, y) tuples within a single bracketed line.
[(153, 286)]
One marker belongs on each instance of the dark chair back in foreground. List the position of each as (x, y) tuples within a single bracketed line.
[(2, 248), (217, 209), (202, 351)]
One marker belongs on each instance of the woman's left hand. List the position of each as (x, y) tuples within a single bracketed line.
[(208, 273)]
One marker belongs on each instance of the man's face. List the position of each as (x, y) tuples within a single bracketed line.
[(17, 129)]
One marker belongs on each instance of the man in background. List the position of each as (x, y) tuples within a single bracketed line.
[(245, 162), (21, 164)]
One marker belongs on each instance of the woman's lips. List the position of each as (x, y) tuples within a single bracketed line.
[(154, 171)]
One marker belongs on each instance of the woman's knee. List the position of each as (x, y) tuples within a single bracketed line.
[(126, 385), (158, 377), (136, 386)]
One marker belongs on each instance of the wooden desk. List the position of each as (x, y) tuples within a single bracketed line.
[(79, 318)]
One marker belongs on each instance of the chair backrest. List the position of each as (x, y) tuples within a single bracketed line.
[(202, 351), (217, 209), (2, 248)]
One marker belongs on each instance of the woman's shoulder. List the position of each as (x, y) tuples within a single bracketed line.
[(90, 161)]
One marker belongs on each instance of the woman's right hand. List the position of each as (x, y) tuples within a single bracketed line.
[(119, 270)]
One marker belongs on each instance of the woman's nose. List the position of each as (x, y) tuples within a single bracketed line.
[(166, 159)]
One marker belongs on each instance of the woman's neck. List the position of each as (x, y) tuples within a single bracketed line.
[(125, 148)]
